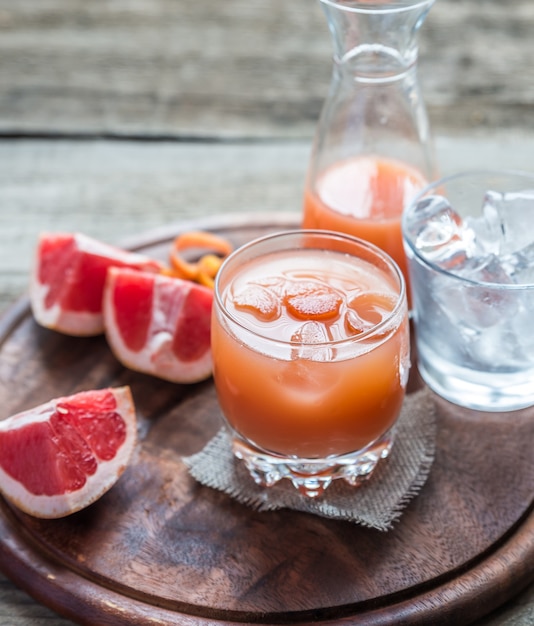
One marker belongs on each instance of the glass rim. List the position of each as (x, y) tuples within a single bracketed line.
[(374, 330), (467, 174), (357, 6)]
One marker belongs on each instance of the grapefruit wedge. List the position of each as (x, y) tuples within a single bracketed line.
[(68, 277), (63, 455), (159, 325)]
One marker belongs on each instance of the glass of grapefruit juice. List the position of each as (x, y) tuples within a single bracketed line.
[(310, 346)]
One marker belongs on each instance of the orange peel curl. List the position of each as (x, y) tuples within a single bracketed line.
[(205, 269)]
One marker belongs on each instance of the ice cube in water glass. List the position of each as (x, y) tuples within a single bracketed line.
[(487, 269), (487, 227), (480, 303), (514, 215), (506, 229), (520, 266), (440, 234)]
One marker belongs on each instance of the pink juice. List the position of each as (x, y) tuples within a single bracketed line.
[(364, 197), (317, 360)]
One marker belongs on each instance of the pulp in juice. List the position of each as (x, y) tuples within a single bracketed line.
[(312, 363)]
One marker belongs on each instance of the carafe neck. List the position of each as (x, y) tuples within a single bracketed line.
[(375, 40)]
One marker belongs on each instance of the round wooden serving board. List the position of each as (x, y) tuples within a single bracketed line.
[(159, 548)]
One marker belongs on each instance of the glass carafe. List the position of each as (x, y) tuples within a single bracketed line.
[(372, 148)]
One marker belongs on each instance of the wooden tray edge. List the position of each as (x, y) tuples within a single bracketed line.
[(87, 603), (60, 590)]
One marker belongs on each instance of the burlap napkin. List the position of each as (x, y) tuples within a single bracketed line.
[(377, 503)]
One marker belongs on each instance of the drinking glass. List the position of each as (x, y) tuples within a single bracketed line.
[(310, 344), (469, 239)]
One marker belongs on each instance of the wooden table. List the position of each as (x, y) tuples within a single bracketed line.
[(121, 117)]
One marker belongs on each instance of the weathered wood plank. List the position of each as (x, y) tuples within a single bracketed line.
[(239, 68), (114, 189)]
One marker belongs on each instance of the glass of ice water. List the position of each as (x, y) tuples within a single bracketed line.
[(469, 240)]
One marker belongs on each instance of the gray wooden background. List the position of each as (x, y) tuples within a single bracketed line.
[(119, 116), (239, 68)]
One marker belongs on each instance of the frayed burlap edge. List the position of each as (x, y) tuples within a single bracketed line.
[(377, 503)]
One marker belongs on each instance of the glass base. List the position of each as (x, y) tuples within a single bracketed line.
[(477, 390), (312, 476)]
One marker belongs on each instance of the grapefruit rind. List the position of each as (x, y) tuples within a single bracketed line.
[(96, 485), (157, 357), (56, 316)]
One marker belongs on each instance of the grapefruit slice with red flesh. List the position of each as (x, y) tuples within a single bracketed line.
[(159, 325), (68, 280), (61, 456)]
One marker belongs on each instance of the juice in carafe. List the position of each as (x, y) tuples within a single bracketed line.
[(372, 149), (364, 196)]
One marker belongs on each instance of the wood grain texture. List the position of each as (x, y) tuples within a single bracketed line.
[(113, 190), (160, 546), (239, 68), (184, 71)]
